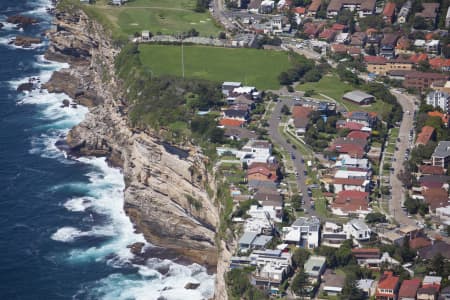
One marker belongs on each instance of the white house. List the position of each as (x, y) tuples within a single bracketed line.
[(432, 46), (345, 160), (255, 151), (260, 221), (272, 267), (439, 99), (351, 184), (304, 232), (444, 214), (357, 229), (333, 235)]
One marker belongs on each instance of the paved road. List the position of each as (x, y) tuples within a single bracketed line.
[(398, 192), (220, 15), (298, 162)]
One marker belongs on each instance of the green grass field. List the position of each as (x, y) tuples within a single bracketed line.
[(332, 86), (250, 66), (165, 16)]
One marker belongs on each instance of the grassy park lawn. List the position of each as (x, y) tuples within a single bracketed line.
[(250, 66), (331, 86), (165, 16)]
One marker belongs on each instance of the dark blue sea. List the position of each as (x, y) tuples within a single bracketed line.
[(63, 232)]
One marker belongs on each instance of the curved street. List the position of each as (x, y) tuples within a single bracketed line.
[(397, 190), (280, 140)]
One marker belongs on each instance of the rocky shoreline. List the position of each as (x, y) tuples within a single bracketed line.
[(160, 184)]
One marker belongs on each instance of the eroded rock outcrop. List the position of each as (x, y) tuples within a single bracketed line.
[(160, 185), (21, 21), (26, 41)]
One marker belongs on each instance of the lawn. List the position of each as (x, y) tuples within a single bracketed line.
[(164, 16), (332, 86), (250, 66)]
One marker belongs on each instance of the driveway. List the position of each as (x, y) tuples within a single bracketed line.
[(298, 162)]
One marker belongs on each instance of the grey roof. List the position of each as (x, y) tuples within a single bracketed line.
[(248, 238), (365, 284), (314, 264), (312, 223), (262, 240), (357, 96), (442, 149), (360, 115), (256, 184), (358, 224), (236, 113)]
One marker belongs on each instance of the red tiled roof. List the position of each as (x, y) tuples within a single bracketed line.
[(439, 62), (358, 135), (327, 34), (353, 149), (337, 26), (431, 170), (300, 10), (375, 60), (301, 111), (339, 48), (351, 201), (389, 9), (231, 122), (349, 181), (344, 196), (444, 117), (387, 281), (409, 288), (425, 135), (272, 167), (418, 57), (419, 242), (353, 126)]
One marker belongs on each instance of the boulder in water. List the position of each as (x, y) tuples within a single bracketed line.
[(1, 25), (66, 102), (136, 248), (26, 41), (21, 21), (191, 285), (27, 86)]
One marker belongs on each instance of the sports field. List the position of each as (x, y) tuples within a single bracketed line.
[(250, 66), (164, 16)]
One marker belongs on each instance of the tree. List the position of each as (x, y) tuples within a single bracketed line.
[(222, 35), (420, 23), (300, 256), (350, 290), (300, 283), (285, 110), (412, 205), (284, 78), (376, 217)]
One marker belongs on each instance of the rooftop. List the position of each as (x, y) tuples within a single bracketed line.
[(442, 149), (409, 288), (357, 96)]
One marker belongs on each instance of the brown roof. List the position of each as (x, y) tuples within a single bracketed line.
[(349, 201), (409, 288), (231, 122), (336, 5), (389, 9), (431, 170), (436, 197), (349, 181), (301, 111), (364, 253), (429, 10), (375, 60), (425, 135), (315, 5), (426, 75), (419, 242)]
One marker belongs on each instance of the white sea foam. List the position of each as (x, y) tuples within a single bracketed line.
[(78, 204), (103, 195), (70, 234), (66, 234)]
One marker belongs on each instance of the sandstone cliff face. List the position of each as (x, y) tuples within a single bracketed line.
[(165, 193)]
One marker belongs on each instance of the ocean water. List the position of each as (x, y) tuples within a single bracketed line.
[(63, 231)]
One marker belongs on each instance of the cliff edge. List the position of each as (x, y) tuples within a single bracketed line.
[(166, 187)]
